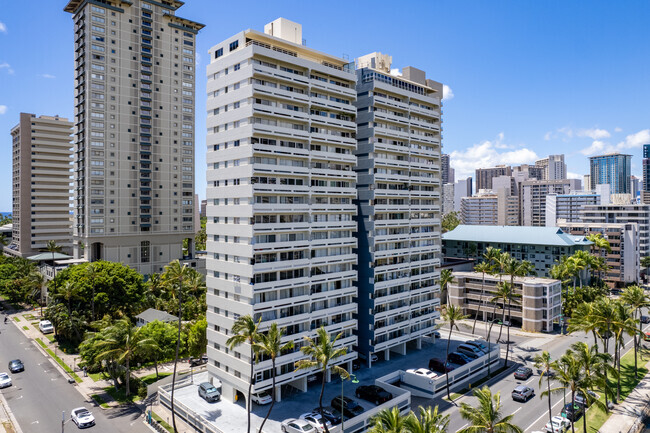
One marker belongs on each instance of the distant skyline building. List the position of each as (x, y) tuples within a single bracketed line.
[(484, 175), (41, 184), (490, 208), (446, 170), (447, 198), (533, 198), (462, 188), (532, 172), (134, 132), (568, 207), (554, 167), (645, 186), (614, 169)]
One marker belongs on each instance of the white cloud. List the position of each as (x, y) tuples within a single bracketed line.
[(48, 76), (617, 129), (486, 154), (548, 135), (632, 141), (597, 146), (197, 59), (3, 27), (593, 133), (395, 72), (574, 175), (3, 109), (447, 93), (6, 66)]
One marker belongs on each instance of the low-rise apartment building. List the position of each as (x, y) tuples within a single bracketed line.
[(490, 208), (539, 306), (623, 213)]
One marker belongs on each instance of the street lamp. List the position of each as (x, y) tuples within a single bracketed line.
[(354, 380)]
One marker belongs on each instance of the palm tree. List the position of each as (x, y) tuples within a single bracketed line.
[(68, 293), (124, 342), (635, 297), (176, 272), (91, 274), (452, 315), (487, 417), (430, 421), (625, 324), (570, 376), (445, 278), (483, 267), (270, 344), (514, 268), (323, 352), (605, 315), (591, 362), (584, 319), (389, 421), (245, 331), (544, 363)]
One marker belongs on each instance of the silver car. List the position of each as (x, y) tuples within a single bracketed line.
[(293, 425)]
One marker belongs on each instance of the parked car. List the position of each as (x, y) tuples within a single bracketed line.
[(262, 398), (580, 399), (458, 358), (645, 319), (329, 414), (522, 393), (572, 412), (82, 417), (523, 373), (468, 353), (470, 348), (198, 361), (45, 326), (209, 392), (423, 372), (315, 420), (293, 425), (557, 425), (5, 380), (616, 291), (436, 334), (350, 407), (373, 393), (16, 365), (480, 344), (437, 364), (646, 336)]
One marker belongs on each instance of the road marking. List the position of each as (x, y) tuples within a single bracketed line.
[(19, 397), (461, 428), (35, 422), (545, 413), (517, 410), (533, 378)]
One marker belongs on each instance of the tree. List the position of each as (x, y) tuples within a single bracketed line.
[(322, 352), (544, 363), (635, 297), (452, 315), (487, 416), (484, 268), (503, 294), (570, 377), (591, 362), (446, 277), (245, 331), (123, 342), (197, 340), (270, 344), (450, 221), (430, 421), (514, 268), (5, 219), (645, 262), (624, 324), (175, 273), (389, 421), (584, 319), (164, 336)]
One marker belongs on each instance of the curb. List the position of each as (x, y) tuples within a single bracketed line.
[(10, 414)]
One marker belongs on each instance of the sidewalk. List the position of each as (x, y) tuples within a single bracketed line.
[(626, 417)]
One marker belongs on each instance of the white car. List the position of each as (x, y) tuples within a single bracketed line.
[(559, 425), (293, 425), (5, 380), (262, 397), (46, 326), (423, 372), (82, 417), (316, 421)]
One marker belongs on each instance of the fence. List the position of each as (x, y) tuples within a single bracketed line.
[(199, 423)]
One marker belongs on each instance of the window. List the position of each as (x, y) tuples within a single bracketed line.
[(145, 251), (236, 68), (98, 10), (234, 45), (218, 53), (98, 19)]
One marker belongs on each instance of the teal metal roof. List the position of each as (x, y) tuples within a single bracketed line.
[(552, 236)]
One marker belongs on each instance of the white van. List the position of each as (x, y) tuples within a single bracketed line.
[(46, 326)]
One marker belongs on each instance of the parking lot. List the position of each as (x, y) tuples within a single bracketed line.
[(232, 416)]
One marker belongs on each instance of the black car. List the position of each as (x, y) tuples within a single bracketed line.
[(616, 291), (373, 393), (523, 373), (16, 365), (572, 412), (350, 407), (356, 364), (645, 319), (458, 358), (440, 366), (329, 414)]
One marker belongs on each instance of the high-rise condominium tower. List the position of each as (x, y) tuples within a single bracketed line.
[(398, 174), (553, 166), (614, 169), (134, 131), (281, 185), (42, 163)]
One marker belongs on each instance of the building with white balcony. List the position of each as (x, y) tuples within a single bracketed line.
[(280, 212), (568, 207), (41, 178), (398, 170), (533, 198)]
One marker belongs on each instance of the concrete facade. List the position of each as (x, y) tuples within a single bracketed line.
[(567, 207), (281, 185), (398, 169), (533, 198), (628, 213), (538, 308), (134, 132), (490, 208), (554, 167), (462, 188), (484, 175), (447, 198), (41, 178)]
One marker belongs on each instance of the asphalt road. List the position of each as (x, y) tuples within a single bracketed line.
[(533, 414), (40, 393)]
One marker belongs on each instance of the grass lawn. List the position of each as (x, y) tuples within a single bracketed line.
[(96, 376), (30, 316), (596, 417), (17, 319), (119, 396), (40, 342), (51, 338), (60, 361), (151, 378), (100, 401), (162, 423), (25, 328)]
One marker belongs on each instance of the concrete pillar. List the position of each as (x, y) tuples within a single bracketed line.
[(387, 354), (228, 392), (278, 393), (418, 343)]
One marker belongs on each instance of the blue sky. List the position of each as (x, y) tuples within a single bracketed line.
[(527, 78)]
